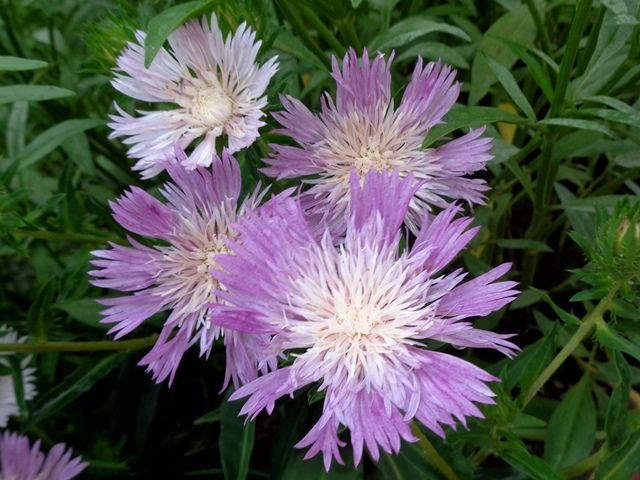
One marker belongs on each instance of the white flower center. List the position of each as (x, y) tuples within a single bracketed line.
[(372, 157), (211, 107)]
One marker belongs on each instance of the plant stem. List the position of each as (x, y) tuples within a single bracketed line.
[(98, 346), (585, 465), (322, 30), (576, 339), (349, 33), (549, 169), (537, 18), (432, 454)]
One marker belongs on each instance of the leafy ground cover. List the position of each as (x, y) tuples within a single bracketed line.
[(557, 84)]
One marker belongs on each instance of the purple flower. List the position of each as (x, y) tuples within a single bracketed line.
[(8, 400), (364, 131), (215, 83), (21, 461), (354, 318), (191, 229)]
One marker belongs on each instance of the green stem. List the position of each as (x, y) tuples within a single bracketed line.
[(540, 26), (586, 465), (350, 35), (583, 8), (432, 454), (292, 15), (322, 30), (576, 339), (98, 346)]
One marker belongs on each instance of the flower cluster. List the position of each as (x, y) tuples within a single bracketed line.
[(317, 286)]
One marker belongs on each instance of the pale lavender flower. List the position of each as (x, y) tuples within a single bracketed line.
[(354, 317), (189, 230), (8, 399), (21, 461), (364, 131), (215, 83)]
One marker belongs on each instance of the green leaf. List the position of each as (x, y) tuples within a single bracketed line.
[(516, 25), (578, 123), (74, 385), (17, 64), (511, 86), (16, 128), (470, 117), (523, 244), (356, 3), (531, 361), (52, 138), (572, 427), (622, 463), (236, 441), (610, 338), (410, 463), (617, 410), (535, 69), (613, 103), (412, 28), (313, 469), (516, 454), (568, 318), (211, 417), (613, 115), (434, 51), (32, 93), (163, 24), (86, 311)]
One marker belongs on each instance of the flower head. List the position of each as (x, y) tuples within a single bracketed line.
[(191, 229), (215, 83), (363, 131), (21, 461), (8, 400), (355, 317)]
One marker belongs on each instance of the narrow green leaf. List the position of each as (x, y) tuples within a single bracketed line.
[(52, 138), (613, 115), (510, 85), (516, 25), (622, 463), (163, 24), (515, 453), (313, 469), (535, 69), (17, 64), (568, 318), (355, 3), (15, 132), (74, 385), (412, 28), (32, 93), (531, 361), (617, 410), (572, 427), (86, 311), (578, 123), (523, 244), (610, 338), (613, 103), (210, 417), (470, 117), (434, 51), (236, 441)]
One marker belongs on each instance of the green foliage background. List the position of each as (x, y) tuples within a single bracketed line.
[(557, 83)]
